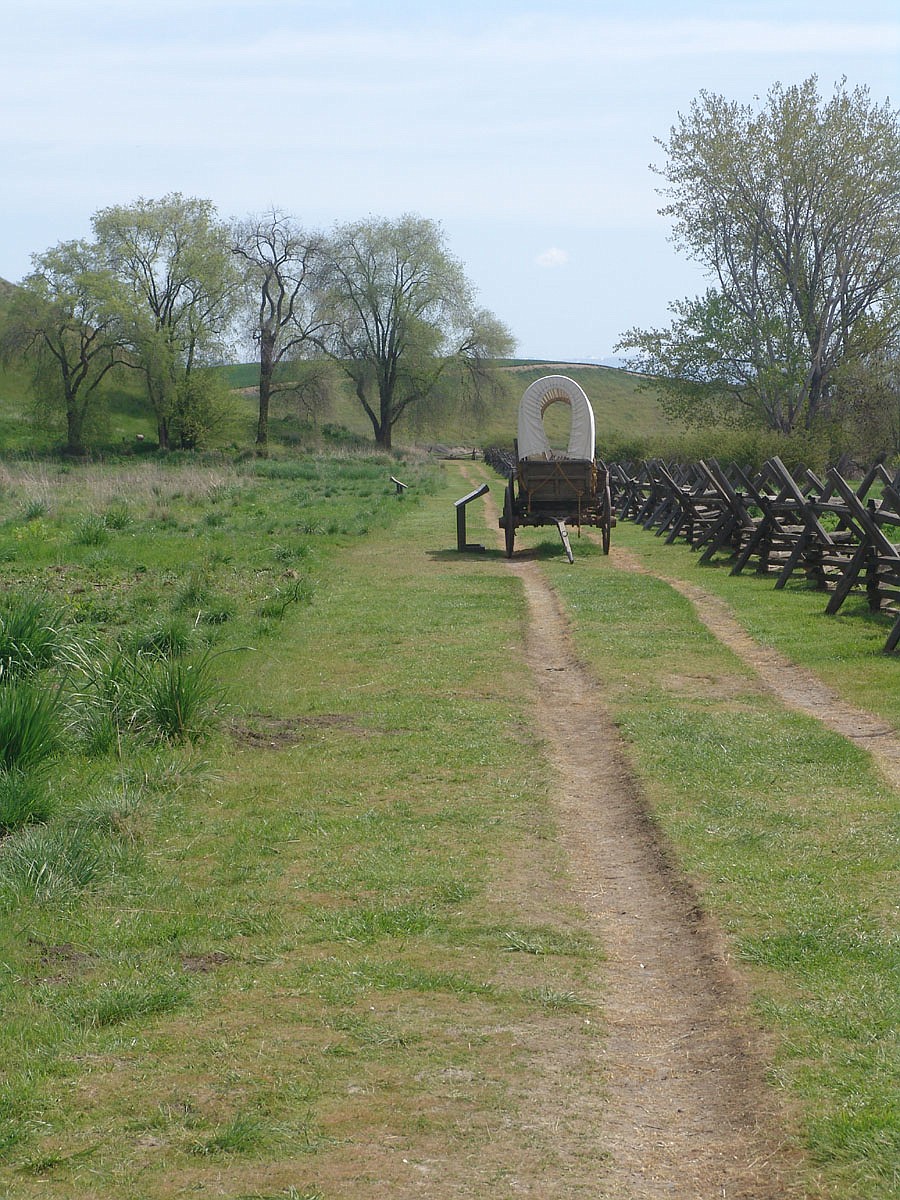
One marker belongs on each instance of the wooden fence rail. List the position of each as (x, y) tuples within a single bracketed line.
[(778, 523), (774, 521)]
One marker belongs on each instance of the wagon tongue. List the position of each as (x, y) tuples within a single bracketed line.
[(564, 534)]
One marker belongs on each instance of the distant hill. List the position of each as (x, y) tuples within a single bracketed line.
[(623, 406), (624, 409)]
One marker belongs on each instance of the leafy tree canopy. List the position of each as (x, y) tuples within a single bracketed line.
[(64, 320), (793, 210), (179, 288), (398, 315)]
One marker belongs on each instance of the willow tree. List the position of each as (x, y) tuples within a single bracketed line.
[(399, 318), (178, 292), (64, 323), (794, 213), (278, 260)]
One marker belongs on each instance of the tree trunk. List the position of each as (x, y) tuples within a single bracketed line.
[(266, 371), (386, 424), (74, 431)]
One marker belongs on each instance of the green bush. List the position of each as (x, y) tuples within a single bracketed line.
[(746, 447)]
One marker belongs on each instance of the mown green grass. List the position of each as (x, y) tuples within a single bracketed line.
[(790, 831), (262, 951), (340, 921)]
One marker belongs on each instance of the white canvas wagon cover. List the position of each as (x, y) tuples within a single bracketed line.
[(553, 389)]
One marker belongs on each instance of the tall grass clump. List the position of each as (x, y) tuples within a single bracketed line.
[(23, 799), (177, 700), (91, 530), (103, 704), (157, 692), (29, 635), (171, 637), (47, 863), (30, 725)]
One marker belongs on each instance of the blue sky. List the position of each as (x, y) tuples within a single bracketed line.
[(525, 127)]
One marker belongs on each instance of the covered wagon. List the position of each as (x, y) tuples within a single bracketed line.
[(555, 487)]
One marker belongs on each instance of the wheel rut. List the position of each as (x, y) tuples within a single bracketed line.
[(794, 686), (689, 1115)]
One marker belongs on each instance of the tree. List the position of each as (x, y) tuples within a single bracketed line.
[(399, 318), (793, 211), (63, 321), (869, 404), (715, 363), (279, 260), (179, 292)]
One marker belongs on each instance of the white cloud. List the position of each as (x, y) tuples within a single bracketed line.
[(554, 257)]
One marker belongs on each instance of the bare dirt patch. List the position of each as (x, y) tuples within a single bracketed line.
[(64, 962), (202, 963), (275, 733)]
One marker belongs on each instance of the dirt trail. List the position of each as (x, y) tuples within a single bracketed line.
[(689, 1116), (797, 688)]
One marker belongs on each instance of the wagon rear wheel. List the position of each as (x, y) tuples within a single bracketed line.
[(509, 520), (607, 517)]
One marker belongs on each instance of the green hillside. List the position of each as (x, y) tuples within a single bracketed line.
[(623, 409), (624, 412)]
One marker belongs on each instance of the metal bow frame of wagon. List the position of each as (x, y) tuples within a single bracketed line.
[(551, 487)]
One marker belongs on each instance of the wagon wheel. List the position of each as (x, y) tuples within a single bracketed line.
[(509, 521), (607, 517)]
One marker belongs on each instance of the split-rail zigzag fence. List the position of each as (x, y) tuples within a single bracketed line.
[(843, 538)]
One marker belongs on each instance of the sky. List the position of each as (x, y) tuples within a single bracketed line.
[(526, 128)]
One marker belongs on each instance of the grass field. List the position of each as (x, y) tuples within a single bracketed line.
[(304, 934)]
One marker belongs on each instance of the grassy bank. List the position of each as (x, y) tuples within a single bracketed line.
[(327, 945)]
